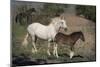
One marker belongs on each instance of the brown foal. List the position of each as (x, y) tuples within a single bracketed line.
[(68, 40)]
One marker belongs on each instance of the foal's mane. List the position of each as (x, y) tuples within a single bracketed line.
[(77, 33)]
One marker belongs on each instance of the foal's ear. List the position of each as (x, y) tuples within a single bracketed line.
[(62, 17)]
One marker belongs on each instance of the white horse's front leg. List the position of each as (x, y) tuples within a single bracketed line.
[(55, 53), (48, 52)]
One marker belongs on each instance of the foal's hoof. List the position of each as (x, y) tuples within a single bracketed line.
[(71, 55)]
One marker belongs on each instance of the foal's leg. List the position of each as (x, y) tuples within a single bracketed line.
[(71, 52), (56, 46), (34, 49)]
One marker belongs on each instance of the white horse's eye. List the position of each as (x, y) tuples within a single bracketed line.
[(61, 22)]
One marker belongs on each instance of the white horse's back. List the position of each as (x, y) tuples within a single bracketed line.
[(38, 29)]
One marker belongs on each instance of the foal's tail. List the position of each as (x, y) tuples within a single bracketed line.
[(25, 42)]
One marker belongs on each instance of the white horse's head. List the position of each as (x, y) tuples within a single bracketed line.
[(59, 23)]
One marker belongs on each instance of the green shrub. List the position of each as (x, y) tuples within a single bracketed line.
[(87, 11), (52, 9)]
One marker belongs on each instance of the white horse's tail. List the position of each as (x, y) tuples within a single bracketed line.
[(25, 42)]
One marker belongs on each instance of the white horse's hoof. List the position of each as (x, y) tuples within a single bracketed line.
[(33, 51), (54, 53), (36, 51), (57, 56), (71, 55), (48, 53)]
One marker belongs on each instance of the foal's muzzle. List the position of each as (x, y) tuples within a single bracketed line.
[(83, 39)]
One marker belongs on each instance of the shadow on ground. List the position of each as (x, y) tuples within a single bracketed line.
[(27, 61)]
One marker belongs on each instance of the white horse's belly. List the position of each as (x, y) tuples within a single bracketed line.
[(41, 33), (38, 30)]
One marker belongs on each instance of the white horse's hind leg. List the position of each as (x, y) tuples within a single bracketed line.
[(25, 42), (48, 52), (34, 49)]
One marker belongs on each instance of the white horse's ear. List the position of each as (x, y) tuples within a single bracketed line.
[(62, 17)]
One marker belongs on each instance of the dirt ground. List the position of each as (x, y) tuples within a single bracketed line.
[(87, 48)]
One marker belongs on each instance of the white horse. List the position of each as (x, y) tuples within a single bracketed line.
[(37, 30)]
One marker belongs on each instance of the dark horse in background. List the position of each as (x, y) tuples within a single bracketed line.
[(68, 40), (25, 17)]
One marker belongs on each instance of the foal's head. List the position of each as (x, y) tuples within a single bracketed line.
[(81, 35), (77, 35)]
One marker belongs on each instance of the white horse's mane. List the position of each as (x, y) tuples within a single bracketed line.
[(53, 20)]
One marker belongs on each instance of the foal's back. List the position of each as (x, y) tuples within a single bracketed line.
[(61, 38), (70, 39)]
